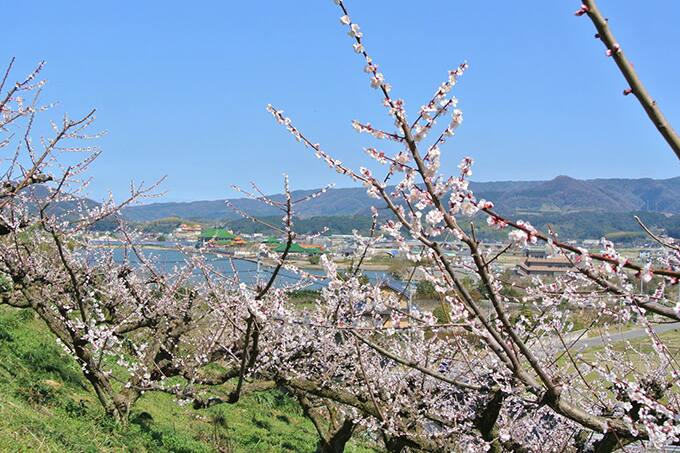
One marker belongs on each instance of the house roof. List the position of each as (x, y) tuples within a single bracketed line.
[(554, 260), (385, 286), (551, 269)]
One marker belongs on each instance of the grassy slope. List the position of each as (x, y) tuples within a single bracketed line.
[(670, 339), (643, 344), (45, 405)]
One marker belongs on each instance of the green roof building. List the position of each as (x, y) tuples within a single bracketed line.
[(217, 234)]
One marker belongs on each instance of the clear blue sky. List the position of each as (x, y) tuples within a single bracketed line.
[(181, 87)]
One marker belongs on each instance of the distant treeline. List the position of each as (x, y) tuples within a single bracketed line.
[(330, 224), (620, 227), (311, 225)]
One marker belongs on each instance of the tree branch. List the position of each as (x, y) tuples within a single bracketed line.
[(637, 88)]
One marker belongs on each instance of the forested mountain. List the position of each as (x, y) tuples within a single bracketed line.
[(560, 195)]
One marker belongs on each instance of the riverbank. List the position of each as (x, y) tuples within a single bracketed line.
[(301, 264)]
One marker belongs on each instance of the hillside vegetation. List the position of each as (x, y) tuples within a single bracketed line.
[(46, 405)]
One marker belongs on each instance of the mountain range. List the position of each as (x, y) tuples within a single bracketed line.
[(562, 195)]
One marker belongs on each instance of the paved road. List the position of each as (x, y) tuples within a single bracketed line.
[(627, 335)]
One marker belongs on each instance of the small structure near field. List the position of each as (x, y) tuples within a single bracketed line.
[(387, 291), (544, 266), (188, 231), (535, 252)]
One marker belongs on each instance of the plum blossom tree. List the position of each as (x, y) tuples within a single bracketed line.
[(506, 371), (85, 304), (489, 379), (129, 324)]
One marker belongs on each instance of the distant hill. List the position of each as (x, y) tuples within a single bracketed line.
[(69, 209), (565, 194), (574, 225), (559, 195)]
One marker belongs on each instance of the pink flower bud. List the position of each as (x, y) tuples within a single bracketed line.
[(615, 49), (582, 10)]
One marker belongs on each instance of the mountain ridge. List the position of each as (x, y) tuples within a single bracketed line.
[(560, 194)]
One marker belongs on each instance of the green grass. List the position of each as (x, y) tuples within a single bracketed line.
[(643, 344), (46, 405), (670, 339)]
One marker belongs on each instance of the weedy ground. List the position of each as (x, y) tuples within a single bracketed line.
[(631, 351), (46, 405)]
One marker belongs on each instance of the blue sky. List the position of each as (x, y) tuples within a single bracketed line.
[(181, 87)]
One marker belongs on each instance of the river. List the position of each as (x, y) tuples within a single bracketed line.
[(248, 269)]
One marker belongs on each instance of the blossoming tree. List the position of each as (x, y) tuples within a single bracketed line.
[(130, 325), (505, 371), (487, 379)]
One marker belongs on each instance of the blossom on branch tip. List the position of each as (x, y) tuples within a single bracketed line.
[(377, 80), (468, 208), (496, 222), (434, 217), (354, 31), (465, 167), (524, 235), (518, 237), (484, 204), (402, 158), (377, 155)]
